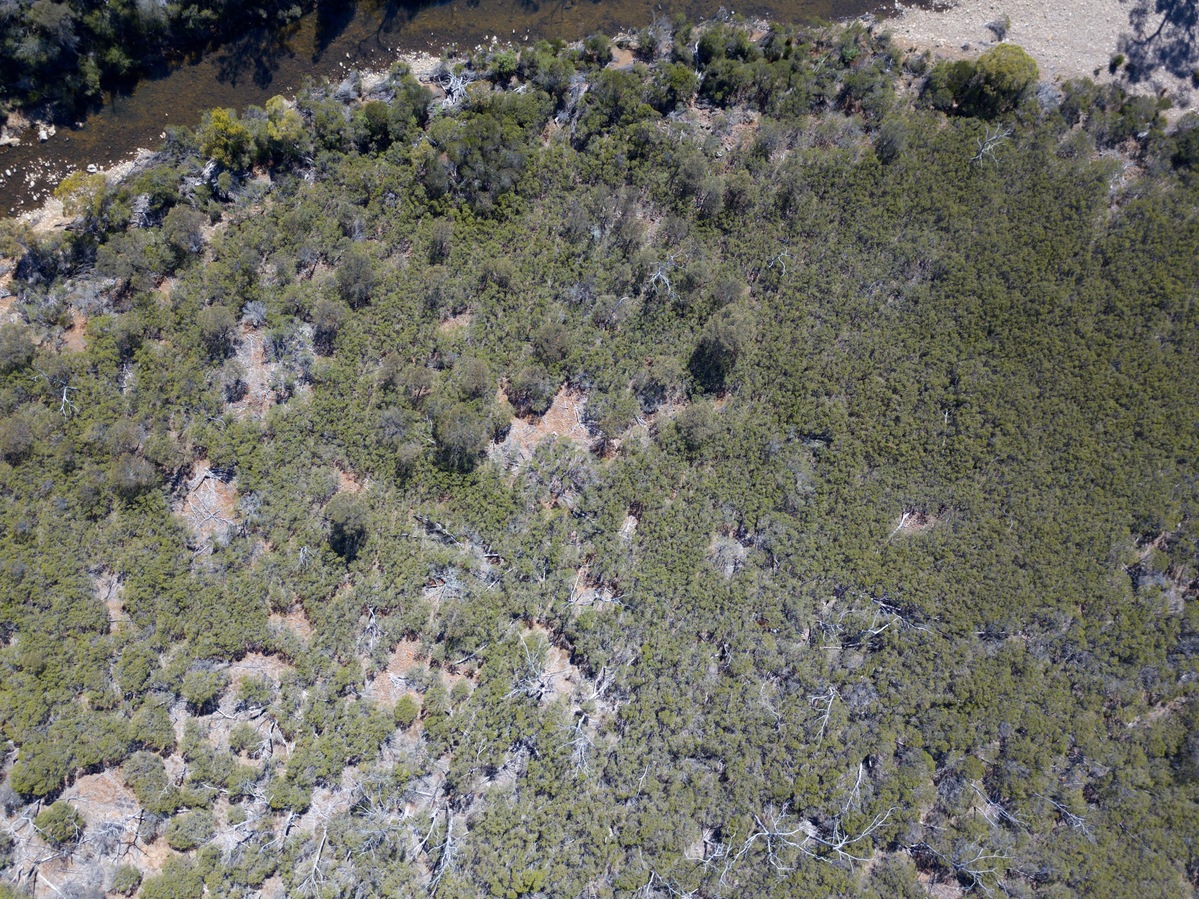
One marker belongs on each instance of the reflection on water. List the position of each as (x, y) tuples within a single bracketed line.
[(329, 42)]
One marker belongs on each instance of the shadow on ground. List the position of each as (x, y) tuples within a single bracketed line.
[(1165, 37)]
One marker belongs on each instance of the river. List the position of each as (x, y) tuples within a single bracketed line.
[(328, 44)]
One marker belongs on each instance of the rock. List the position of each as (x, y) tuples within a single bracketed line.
[(91, 169), (43, 135), (1049, 96), (139, 211)]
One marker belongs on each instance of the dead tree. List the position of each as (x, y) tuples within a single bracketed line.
[(994, 813), (62, 387), (828, 699), (988, 143), (660, 277), (454, 83), (972, 865), (782, 840)]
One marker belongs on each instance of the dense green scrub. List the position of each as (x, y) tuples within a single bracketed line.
[(882, 546)]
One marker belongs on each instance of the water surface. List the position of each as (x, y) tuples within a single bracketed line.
[(329, 43)]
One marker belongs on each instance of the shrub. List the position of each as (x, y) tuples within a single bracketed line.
[(16, 347), (145, 774), (16, 438), (347, 515), (179, 880), (551, 342), (461, 432), (202, 690), (243, 737), (59, 824), (189, 830), (131, 475), (225, 139), (406, 711), (216, 325), (356, 277), (532, 390), (1003, 74), (255, 692), (725, 338), (125, 880), (990, 86)]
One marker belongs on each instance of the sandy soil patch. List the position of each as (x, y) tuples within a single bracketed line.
[(423, 66), (103, 799), (914, 522), (348, 482), (391, 683), (108, 589), (622, 58), (295, 620), (563, 420), (254, 665), (1068, 38), (210, 502), (456, 323), (75, 338), (256, 374), (327, 802), (8, 299)]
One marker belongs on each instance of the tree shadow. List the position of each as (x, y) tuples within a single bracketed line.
[(256, 55), (331, 20), (1165, 37)]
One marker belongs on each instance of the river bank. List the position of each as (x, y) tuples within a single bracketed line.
[(1070, 39), (365, 35)]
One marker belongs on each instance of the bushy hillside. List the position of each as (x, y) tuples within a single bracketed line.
[(763, 466)]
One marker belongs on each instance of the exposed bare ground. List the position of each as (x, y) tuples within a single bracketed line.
[(109, 590), (456, 323), (255, 665), (75, 338), (327, 802), (103, 799), (165, 288), (391, 683), (295, 620), (209, 503), (256, 374), (622, 58), (563, 419), (348, 482), (915, 522), (8, 300), (1067, 38), (587, 592), (560, 676), (629, 527)]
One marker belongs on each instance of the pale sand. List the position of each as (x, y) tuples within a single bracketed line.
[(1067, 38)]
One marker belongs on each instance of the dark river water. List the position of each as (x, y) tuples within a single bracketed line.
[(329, 44)]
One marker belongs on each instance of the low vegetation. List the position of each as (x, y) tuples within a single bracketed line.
[(868, 563)]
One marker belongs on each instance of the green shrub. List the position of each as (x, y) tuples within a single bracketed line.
[(406, 710), (348, 516), (179, 880), (532, 390), (59, 824), (125, 880), (189, 830), (202, 690), (16, 347)]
